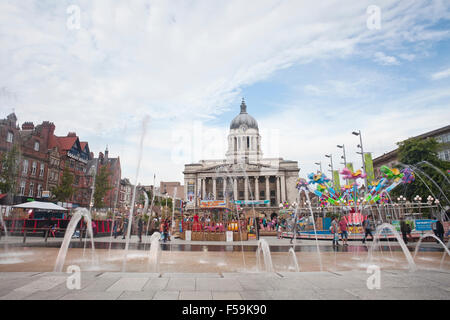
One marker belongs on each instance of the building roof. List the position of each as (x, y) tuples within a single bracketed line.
[(244, 118)]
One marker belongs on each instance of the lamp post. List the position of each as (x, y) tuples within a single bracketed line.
[(343, 158), (331, 166), (360, 145), (319, 164)]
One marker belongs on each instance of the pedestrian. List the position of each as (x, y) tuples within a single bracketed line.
[(344, 232), (440, 230), (404, 229), (125, 228), (115, 227), (334, 229), (367, 226), (140, 226)]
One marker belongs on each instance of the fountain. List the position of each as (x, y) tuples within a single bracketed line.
[(76, 217), (154, 255), (294, 259), (264, 247), (430, 235), (380, 228)]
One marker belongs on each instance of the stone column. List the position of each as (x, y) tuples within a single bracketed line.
[(214, 188), (283, 188), (235, 193), (267, 191), (203, 188), (278, 190), (246, 188), (257, 188), (198, 188), (224, 188)]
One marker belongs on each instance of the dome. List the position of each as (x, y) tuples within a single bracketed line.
[(244, 118)]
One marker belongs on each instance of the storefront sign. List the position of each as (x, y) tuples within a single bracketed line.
[(229, 236), (213, 204), (45, 194), (251, 202), (424, 225), (71, 155), (188, 235)]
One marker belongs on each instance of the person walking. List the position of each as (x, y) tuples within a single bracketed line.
[(334, 229), (125, 228), (404, 229), (440, 230), (367, 225), (343, 226), (140, 227), (115, 226)]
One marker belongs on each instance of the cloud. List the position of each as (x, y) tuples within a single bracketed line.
[(385, 60), (441, 74), (177, 61)]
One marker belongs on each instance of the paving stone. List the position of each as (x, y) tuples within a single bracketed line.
[(290, 284), (226, 295), (195, 295), (156, 284), (129, 275), (255, 284), (218, 285), (335, 294), (256, 295), (137, 295), (417, 293), (128, 284), (43, 283), (245, 275), (178, 284), (166, 295), (190, 275), (48, 295), (100, 284), (92, 295), (304, 294), (17, 295)]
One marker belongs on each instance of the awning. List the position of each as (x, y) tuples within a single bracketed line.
[(3, 195), (40, 205)]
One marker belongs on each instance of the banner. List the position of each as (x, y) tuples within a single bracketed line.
[(213, 204), (424, 225), (350, 166), (337, 183), (251, 202), (369, 167)]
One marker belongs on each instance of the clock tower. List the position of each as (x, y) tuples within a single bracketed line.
[(244, 141)]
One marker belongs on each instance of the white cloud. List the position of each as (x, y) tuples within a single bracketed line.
[(385, 60), (176, 61), (441, 74)]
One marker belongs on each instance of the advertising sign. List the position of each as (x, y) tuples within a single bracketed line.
[(251, 202), (424, 225), (213, 204), (188, 235), (45, 194), (229, 236)]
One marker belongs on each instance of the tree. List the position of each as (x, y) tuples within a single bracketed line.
[(9, 172), (102, 186), (65, 190), (418, 153)]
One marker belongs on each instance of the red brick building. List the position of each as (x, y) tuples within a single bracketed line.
[(112, 197)]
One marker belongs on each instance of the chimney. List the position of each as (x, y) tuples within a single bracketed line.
[(28, 126), (71, 134), (106, 153)]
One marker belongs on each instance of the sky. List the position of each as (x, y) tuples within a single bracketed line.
[(173, 74)]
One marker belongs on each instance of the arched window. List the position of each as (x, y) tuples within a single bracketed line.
[(248, 143), (235, 144)]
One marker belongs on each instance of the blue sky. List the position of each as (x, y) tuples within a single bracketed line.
[(311, 73)]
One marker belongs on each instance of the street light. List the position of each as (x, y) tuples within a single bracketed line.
[(360, 145), (320, 165), (331, 166)]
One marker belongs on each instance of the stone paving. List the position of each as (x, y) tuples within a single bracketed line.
[(348, 285)]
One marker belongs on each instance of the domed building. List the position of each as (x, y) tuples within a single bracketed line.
[(244, 176)]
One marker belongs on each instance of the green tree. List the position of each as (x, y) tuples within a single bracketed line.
[(65, 190), (415, 152), (102, 186), (9, 172)]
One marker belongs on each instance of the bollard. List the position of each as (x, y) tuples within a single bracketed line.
[(24, 235), (46, 235)]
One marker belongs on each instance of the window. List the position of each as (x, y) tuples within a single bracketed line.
[(25, 166), (9, 136), (262, 194), (39, 191), (31, 191), (41, 170), (33, 168), (36, 146), (22, 188)]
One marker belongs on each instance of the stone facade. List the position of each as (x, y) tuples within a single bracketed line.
[(244, 175)]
